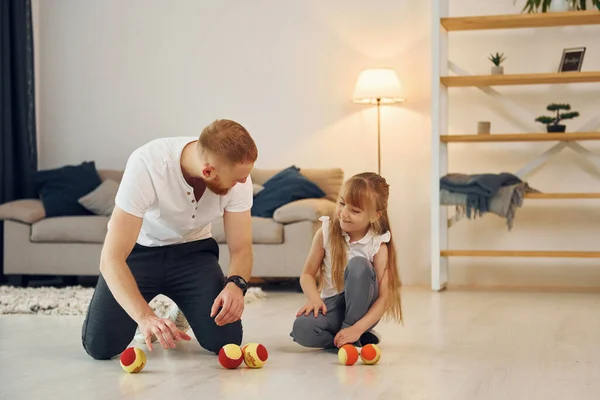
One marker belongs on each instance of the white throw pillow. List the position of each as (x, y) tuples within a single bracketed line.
[(101, 201)]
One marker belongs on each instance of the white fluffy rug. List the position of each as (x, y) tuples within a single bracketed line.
[(73, 300)]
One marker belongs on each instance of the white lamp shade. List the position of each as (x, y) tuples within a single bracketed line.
[(378, 83)]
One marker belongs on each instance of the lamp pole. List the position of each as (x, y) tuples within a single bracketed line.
[(374, 86), (378, 137)]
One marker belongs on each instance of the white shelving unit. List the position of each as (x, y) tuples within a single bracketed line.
[(443, 25)]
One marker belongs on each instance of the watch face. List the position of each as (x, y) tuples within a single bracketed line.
[(239, 282), (242, 284)]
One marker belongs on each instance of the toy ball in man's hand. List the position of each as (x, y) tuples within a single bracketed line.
[(231, 356), (348, 354), (255, 355), (370, 354), (133, 360)]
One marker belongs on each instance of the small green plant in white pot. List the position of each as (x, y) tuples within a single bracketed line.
[(497, 59), (552, 123)]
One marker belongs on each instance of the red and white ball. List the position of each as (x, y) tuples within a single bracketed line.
[(133, 360), (231, 356), (348, 354)]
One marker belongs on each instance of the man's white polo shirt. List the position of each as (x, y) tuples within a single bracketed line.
[(153, 188)]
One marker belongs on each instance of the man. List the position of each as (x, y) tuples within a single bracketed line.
[(159, 242)]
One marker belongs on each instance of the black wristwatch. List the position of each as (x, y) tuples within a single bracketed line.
[(239, 282)]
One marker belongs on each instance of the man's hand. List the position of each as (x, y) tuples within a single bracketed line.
[(347, 335), (231, 299), (164, 329)]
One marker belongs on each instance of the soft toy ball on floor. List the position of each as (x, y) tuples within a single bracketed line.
[(370, 354), (133, 360), (231, 356), (348, 354), (255, 355)]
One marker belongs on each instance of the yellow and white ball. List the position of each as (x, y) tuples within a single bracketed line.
[(133, 360), (255, 355), (370, 354)]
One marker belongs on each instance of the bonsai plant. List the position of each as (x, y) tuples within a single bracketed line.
[(552, 123), (497, 59), (534, 6)]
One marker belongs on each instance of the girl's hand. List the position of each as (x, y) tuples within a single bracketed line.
[(312, 306), (346, 335)]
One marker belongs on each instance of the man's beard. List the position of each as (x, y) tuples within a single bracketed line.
[(215, 187)]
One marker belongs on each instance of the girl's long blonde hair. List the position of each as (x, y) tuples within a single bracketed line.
[(370, 192)]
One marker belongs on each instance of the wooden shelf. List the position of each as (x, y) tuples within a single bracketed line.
[(444, 26), (512, 21), (521, 137), (561, 196), (520, 253), (521, 79)]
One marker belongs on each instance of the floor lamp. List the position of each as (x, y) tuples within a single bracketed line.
[(378, 86)]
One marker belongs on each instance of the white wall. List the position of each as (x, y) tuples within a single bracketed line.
[(116, 74)]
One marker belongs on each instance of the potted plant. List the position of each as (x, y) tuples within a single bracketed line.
[(497, 59), (534, 6), (552, 123)]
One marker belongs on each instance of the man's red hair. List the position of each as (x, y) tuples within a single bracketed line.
[(228, 140)]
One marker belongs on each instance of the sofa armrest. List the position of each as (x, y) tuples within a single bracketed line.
[(25, 210), (304, 210)]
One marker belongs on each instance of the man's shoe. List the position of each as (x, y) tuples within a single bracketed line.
[(175, 315)]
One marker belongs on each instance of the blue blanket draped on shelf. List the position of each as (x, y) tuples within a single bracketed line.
[(477, 194), (479, 188)]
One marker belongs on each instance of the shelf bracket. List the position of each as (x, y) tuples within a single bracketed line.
[(592, 160), (543, 158), (588, 156), (525, 114)]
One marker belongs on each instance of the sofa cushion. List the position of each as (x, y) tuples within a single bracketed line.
[(284, 187), (256, 188), (304, 210), (101, 201), (80, 229), (330, 180), (264, 231), (112, 174), (61, 188), (25, 210)]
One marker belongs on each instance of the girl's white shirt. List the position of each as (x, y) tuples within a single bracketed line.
[(366, 247)]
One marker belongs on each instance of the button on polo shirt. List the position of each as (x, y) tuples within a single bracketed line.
[(153, 188)]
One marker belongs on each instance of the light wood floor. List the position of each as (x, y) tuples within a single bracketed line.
[(454, 345)]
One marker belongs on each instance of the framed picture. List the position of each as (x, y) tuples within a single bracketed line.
[(572, 59)]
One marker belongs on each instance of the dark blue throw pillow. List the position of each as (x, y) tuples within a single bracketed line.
[(60, 188), (282, 188)]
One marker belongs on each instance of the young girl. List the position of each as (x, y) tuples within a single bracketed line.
[(355, 259)]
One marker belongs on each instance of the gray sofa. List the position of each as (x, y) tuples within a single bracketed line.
[(71, 245)]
